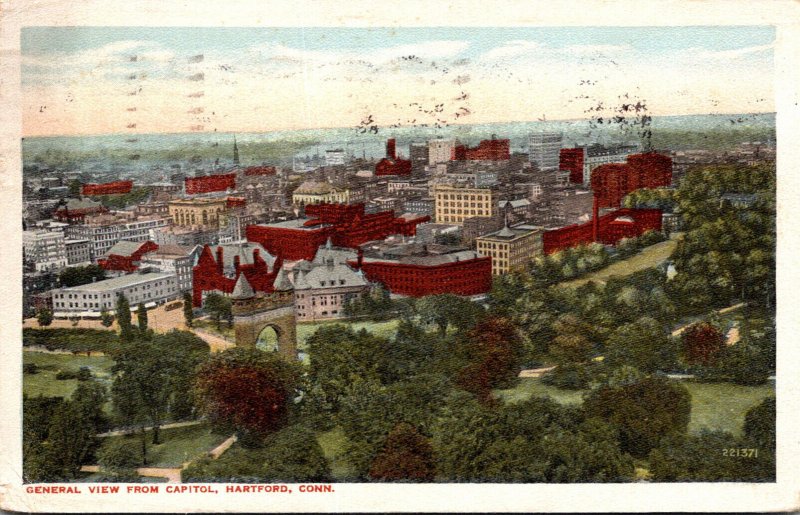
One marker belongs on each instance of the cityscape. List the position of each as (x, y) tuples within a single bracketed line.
[(584, 299)]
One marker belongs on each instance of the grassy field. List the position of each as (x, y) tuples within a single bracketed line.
[(648, 258), (178, 445), (385, 329), (718, 406), (332, 443), (45, 383)]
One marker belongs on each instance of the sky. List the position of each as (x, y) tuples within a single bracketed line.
[(104, 80)]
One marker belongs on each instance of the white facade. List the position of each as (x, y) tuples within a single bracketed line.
[(45, 249), (90, 299), (180, 265), (334, 157), (103, 234), (79, 252), (440, 151), (544, 148)]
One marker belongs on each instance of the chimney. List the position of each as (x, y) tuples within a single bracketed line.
[(219, 260), (236, 262), (391, 152), (256, 255)]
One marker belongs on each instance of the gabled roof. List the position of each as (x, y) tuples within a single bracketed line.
[(242, 289), (337, 276), (124, 248)]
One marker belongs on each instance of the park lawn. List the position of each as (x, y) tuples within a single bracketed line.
[(178, 445), (45, 383), (722, 406), (528, 387), (385, 329), (649, 257), (715, 406), (333, 444), (210, 326)]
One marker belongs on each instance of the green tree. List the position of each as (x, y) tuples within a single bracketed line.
[(123, 309), (643, 344), (141, 316), (218, 308), (406, 456), (70, 439), (106, 318), (118, 460), (643, 412), (759, 424), (44, 317), (80, 275), (494, 353), (75, 188), (446, 310), (188, 310)]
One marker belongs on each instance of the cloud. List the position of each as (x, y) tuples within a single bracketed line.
[(511, 49), (594, 49), (735, 53)]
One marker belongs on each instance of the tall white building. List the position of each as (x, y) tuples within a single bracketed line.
[(335, 157), (104, 231), (440, 150), (544, 148), (45, 249)]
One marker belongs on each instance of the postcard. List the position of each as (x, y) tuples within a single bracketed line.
[(328, 256)]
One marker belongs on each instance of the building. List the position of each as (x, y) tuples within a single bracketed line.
[(108, 188), (76, 210), (185, 236), (210, 183), (159, 208), (607, 229), (417, 270), (173, 259), (487, 150), (390, 166), (418, 155), (335, 157), (252, 171), (454, 204), (425, 206), (348, 225), (440, 151), (232, 226), (544, 149), (571, 160), (596, 155), (218, 270), (201, 213), (316, 192), (150, 288), (514, 210), (44, 250), (324, 285), (124, 256), (104, 230), (510, 247), (479, 225), (79, 252)]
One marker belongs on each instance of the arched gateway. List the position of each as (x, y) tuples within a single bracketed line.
[(253, 312)]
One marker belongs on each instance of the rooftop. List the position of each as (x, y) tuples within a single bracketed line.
[(329, 276), (511, 233), (121, 282), (124, 248)]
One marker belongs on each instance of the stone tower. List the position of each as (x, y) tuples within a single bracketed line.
[(253, 312)]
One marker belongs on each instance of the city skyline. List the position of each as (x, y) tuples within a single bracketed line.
[(80, 81)]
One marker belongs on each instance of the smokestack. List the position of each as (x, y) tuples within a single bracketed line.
[(236, 263), (219, 259), (391, 152), (595, 221)]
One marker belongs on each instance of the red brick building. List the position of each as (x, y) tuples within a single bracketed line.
[(571, 160), (611, 227), (487, 150), (345, 224), (232, 202), (611, 182), (125, 256), (418, 270), (218, 269), (210, 183), (108, 188), (388, 166), (76, 210)]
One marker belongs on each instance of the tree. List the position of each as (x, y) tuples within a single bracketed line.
[(118, 460), (406, 456), (494, 352), (124, 318), (447, 310), (291, 455), (141, 316), (188, 309), (246, 390), (70, 439), (218, 308), (643, 412), (643, 344), (702, 344), (80, 275), (106, 318), (759, 424), (74, 188), (44, 317)]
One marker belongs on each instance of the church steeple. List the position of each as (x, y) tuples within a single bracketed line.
[(235, 152)]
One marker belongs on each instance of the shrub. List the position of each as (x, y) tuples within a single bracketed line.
[(63, 375), (30, 368)]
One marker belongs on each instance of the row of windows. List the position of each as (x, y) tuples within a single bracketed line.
[(466, 196)]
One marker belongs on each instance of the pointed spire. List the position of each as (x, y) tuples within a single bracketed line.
[(242, 290), (329, 244), (282, 282), (235, 152)]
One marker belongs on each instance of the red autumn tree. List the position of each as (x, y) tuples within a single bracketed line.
[(494, 350), (406, 456), (246, 390), (702, 343)]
